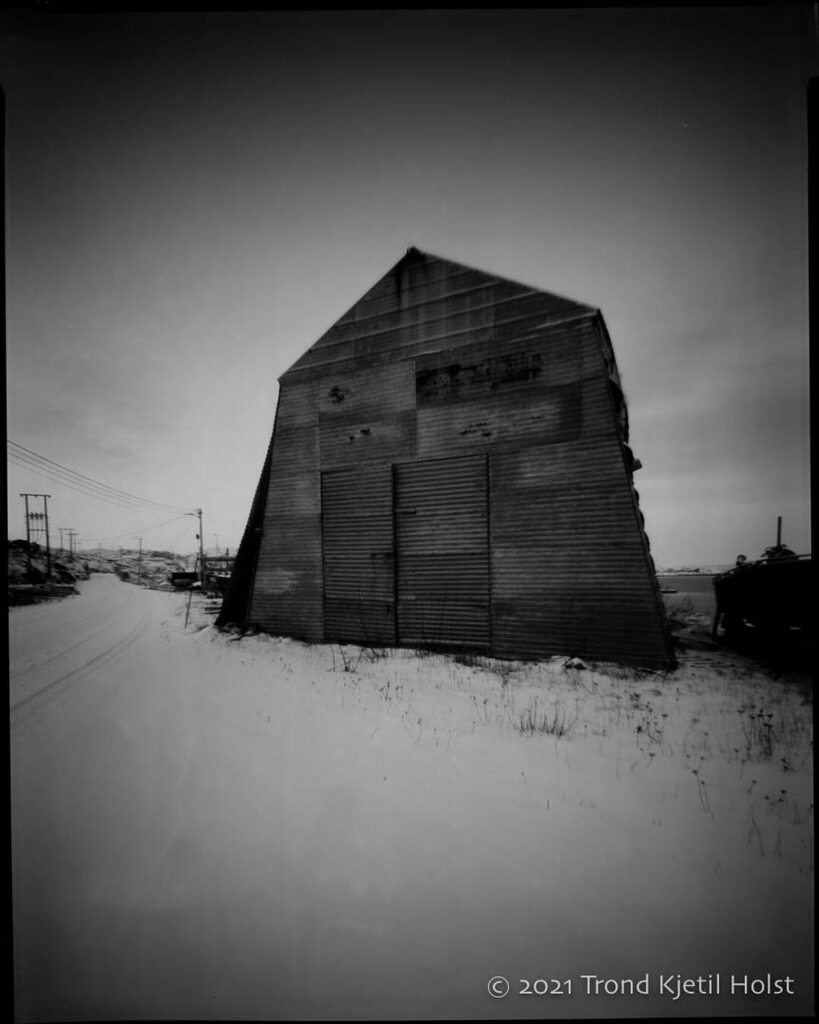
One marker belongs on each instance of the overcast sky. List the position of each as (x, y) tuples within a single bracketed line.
[(192, 200)]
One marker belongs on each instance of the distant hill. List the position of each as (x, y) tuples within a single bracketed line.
[(27, 563), (152, 570)]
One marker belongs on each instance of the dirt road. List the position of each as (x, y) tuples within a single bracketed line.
[(101, 740)]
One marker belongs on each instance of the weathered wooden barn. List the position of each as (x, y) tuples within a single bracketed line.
[(450, 466)]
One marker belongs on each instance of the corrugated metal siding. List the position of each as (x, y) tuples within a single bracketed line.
[(460, 294), (441, 531), (619, 412), (386, 439), (367, 417), (396, 289), (546, 358), (345, 397), (569, 572), (552, 415), (359, 574), (430, 304), (424, 312), (525, 391), (287, 589)]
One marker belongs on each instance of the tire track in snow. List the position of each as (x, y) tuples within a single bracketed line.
[(53, 629), (35, 667), (29, 710)]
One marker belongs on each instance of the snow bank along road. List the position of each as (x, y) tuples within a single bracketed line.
[(254, 830)]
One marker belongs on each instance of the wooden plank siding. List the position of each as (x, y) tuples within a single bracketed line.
[(456, 391)]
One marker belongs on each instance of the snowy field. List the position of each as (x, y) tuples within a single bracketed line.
[(213, 828)]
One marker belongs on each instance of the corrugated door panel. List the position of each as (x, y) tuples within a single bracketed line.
[(359, 574), (441, 529)]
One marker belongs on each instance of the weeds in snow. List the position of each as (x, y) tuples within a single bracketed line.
[(532, 720), (747, 734)]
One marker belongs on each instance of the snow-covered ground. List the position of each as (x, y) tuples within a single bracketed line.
[(226, 829)]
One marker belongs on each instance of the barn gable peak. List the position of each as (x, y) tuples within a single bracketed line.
[(424, 303)]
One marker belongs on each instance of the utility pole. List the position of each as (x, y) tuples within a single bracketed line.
[(199, 537), (48, 546), (201, 550), (71, 546), (139, 574), (38, 515), (28, 533), (62, 531)]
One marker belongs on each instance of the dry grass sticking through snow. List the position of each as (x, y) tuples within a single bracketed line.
[(718, 736)]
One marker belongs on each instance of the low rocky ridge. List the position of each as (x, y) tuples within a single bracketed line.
[(28, 576)]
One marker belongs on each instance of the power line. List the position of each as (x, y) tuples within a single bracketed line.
[(81, 481), (73, 485), (84, 484), (100, 495), (142, 529)]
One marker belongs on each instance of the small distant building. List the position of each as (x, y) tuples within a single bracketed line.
[(450, 467)]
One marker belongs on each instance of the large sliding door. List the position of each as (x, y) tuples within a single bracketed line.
[(442, 540), (359, 565)]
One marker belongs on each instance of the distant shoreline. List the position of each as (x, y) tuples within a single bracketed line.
[(713, 571)]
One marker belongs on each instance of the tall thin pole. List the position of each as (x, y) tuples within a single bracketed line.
[(38, 515), (28, 533), (201, 550), (139, 576), (48, 545), (778, 531)]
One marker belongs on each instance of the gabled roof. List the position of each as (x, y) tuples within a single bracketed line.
[(428, 304)]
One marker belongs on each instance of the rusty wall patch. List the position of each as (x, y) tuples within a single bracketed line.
[(487, 376)]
